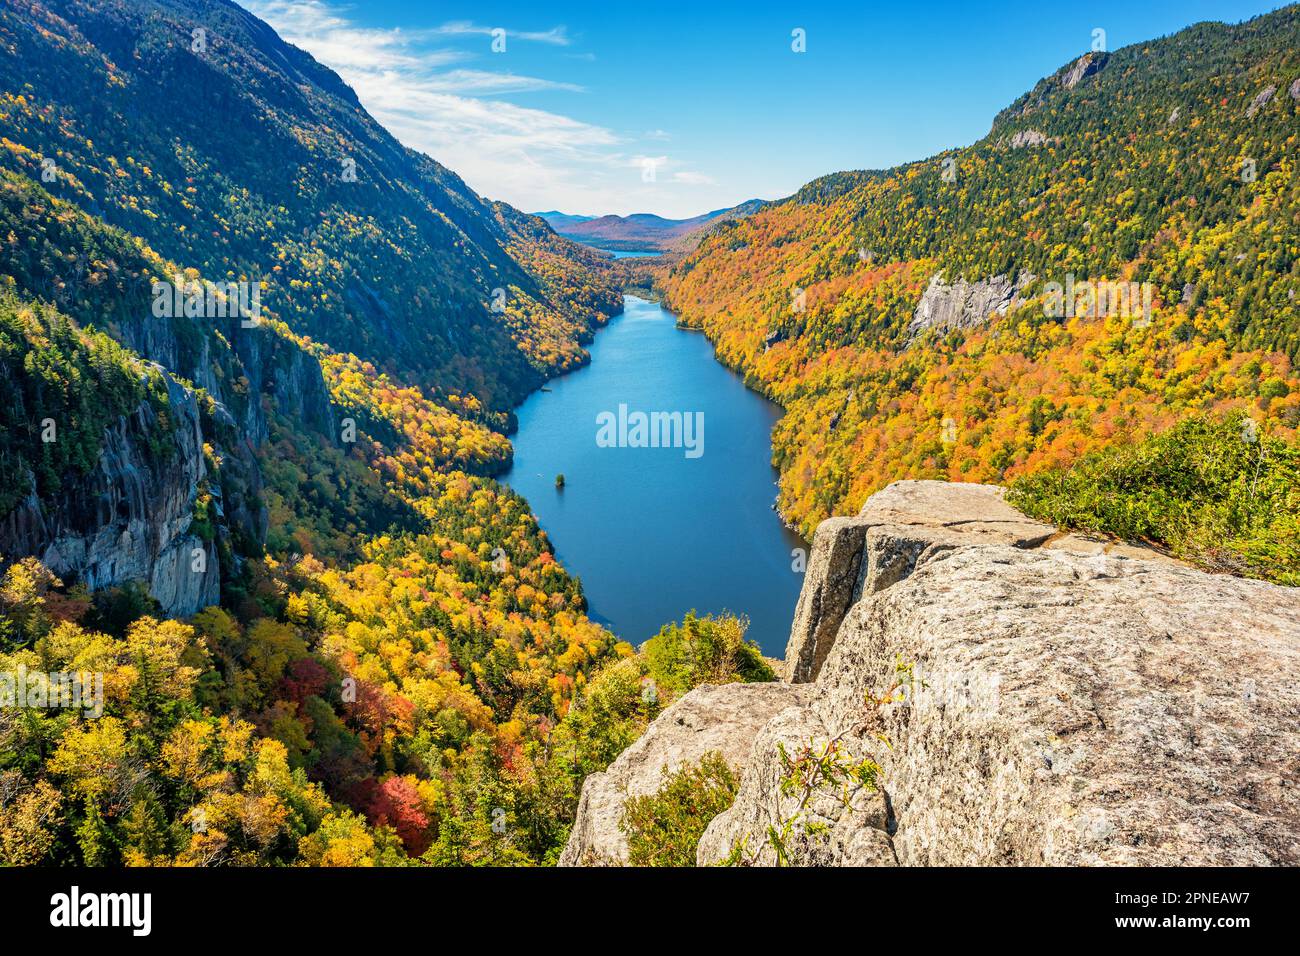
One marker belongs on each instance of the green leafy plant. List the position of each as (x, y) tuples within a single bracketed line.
[(664, 828), (704, 650), (826, 768), (1221, 493)]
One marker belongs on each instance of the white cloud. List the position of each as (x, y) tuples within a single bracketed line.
[(486, 82), (556, 35), (416, 83)]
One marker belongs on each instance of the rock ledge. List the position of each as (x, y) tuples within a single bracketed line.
[(1073, 702)]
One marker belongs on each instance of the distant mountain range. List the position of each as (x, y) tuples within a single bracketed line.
[(644, 230), (560, 220)]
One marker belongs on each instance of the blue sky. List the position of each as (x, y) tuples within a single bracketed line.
[(587, 98)]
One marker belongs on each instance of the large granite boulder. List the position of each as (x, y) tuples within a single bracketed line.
[(1062, 708), (1028, 698), (723, 718), (906, 522)]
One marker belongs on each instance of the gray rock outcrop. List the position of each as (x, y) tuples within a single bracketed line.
[(1261, 100), (723, 718), (964, 305), (1046, 699), (129, 518), (1084, 67), (1066, 707), (1027, 137), (907, 522)]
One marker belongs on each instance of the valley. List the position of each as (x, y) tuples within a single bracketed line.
[(919, 515)]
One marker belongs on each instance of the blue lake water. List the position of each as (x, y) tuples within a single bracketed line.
[(629, 253), (651, 531)]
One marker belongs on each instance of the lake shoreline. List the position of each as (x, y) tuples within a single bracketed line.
[(711, 538)]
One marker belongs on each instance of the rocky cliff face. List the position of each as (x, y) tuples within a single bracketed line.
[(1069, 703), (949, 307), (1025, 138), (1080, 69), (213, 353), (129, 519)]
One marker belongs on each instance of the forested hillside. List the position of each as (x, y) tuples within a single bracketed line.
[(258, 361), (325, 634), (927, 321)]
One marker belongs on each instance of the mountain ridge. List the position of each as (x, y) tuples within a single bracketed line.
[(1129, 168), (259, 361), (640, 231)]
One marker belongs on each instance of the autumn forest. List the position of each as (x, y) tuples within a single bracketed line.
[(328, 635)]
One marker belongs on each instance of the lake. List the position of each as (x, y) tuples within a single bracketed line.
[(629, 253), (654, 532)]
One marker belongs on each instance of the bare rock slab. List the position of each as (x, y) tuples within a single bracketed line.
[(1075, 710), (723, 718), (907, 522), (1049, 700), (1076, 701)]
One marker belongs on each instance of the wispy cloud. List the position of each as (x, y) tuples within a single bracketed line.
[(484, 82), (322, 31), (429, 87), (557, 36)]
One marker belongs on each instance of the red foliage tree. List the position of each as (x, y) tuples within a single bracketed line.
[(396, 803)]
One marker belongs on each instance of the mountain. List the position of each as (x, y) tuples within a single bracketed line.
[(687, 241), (1117, 254), (257, 364), (360, 242), (639, 231), (559, 221), (364, 255)]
